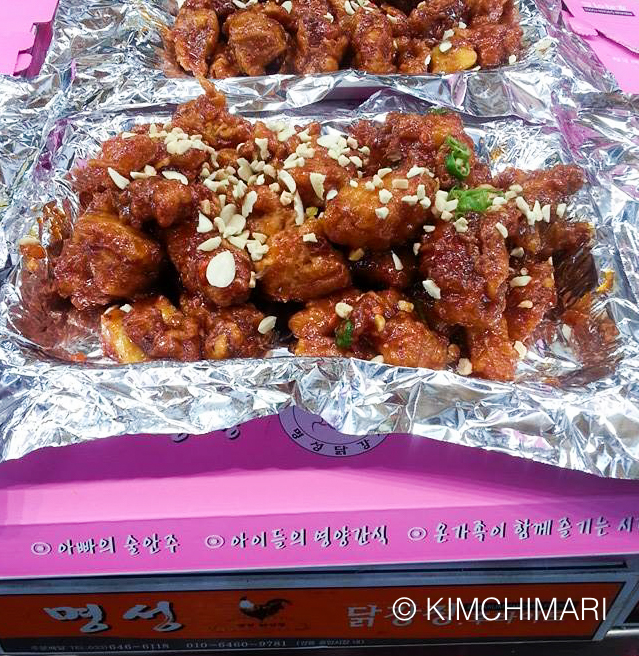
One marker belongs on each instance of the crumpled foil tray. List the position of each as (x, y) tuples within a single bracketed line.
[(101, 76)]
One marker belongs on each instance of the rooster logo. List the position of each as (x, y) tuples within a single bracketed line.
[(262, 611)]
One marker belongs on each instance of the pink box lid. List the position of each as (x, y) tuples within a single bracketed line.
[(421, 500), (18, 32)]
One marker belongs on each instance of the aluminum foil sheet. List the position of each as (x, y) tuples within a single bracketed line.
[(114, 52), (102, 74), (588, 419)]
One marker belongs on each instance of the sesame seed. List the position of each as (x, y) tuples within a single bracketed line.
[(432, 289), (416, 247), (220, 271), (410, 200), (464, 367), (343, 310), (397, 262), (356, 160), (520, 281), (501, 229), (526, 305), (120, 181), (266, 325), (310, 237), (445, 46), (381, 212), (561, 210), (126, 308), (385, 196), (512, 59), (448, 34), (522, 205), (429, 228), (521, 349), (517, 188)]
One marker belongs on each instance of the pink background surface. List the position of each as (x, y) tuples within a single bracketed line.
[(18, 33), (260, 479), (613, 37)]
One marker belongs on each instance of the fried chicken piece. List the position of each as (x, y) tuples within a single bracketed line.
[(315, 326), (335, 176), (320, 42), (419, 139), (298, 270), (120, 154), (398, 19), (460, 57), (413, 56), (152, 329), (224, 65), (378, 218), (165, 201), (379, 323), (494, 43), (207, 115), (429, 20), (372, 42), (105, 260), (492, 353), (230, 332), (222, 8), (192, 264), (380, 269), (539, 294), (257, 41), (548, 186), (195, 36), (469, 268), (269, 216)]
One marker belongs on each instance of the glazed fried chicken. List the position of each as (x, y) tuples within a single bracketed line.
[(216, 236), (320, 36)]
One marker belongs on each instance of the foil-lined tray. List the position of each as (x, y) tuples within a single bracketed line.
[(102, 75), (587, 418)]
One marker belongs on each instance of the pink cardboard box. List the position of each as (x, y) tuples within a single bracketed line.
[(288, 491), (25, 34), (611, 29)]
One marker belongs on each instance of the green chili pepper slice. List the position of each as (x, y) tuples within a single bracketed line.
[(344, 334), (457, 161), (472, 200)]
